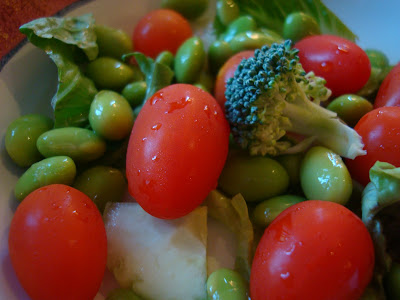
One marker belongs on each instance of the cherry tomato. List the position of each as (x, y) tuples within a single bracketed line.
[(389, 91), (227, 71), (58, 245), (344, 65), (159, 30), (176, 152), (313, 250), (380, 132)]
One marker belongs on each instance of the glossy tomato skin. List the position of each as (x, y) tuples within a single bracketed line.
[(227, 71), (176, 152), (380, 132), (58, 245), (313, 250), (344, 65), (389, 91), (159, 30)]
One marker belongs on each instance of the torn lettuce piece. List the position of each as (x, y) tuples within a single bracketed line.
[(381, 215), (233, 213), (68, 42)]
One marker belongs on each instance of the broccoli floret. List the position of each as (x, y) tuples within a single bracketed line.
[(271, 94)]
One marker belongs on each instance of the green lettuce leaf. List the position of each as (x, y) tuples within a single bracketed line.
[(68, 42), (233, 213), (272, 13), (381, 215)]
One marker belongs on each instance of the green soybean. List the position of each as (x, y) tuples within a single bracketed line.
[(21, 136), (227, 11), (109, 73), (135, 92), (112, 42), (122, 294), (80, 144), (292, 163), (218, 53), (189, 60), (241, 24), (377, 58), (102, 184), (226, 284), (166, 58), (324, 176), (111, 115), (350, 108), (255, 177), (206, 80), (266, 211), (57, 169), (273, 35), (190, 9), (250, 40), (299, 25)]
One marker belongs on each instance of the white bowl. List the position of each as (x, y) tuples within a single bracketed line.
[(28, 81)]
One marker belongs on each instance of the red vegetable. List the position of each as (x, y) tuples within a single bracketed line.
[(313, 250), (380, 132), (58, 245), (389, 91), (177, 149), (344, 65), (160, 30)]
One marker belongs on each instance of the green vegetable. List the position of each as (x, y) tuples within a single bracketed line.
[(299, 25), (233, 213), (218, 53), (206, 80), (226, 284), (109, 73), (272, 14), (189, 60), (256, 178), (241, 24), (190, 9), (102, 184), (250, 40), (80, 144), (271, 94), (63, 39), (112, 42), (135, 92), (227, 11), (166, 58), (21, 136), (291, 163), (380, 211), (57, 169), (266, 211), (122, 294), (350, 108), (392, 282), (324, 176), (111, 115)]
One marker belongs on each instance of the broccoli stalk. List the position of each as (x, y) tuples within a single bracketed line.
[(271, 94)]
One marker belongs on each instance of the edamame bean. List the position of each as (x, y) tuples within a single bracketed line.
[(324, 176), (377, 58), (111, 115), (250, 40), (241, 24), (350, 108), (57, 169), (166, 58), (112, 42), (266, 211), (392, 282), (21, 136), (207, 81), (189, 60), (102, 184), (226, 284), (80, 144), (135, 92), (299, 25), (122, 294), (273, 35), (255, 177), (227, 11), (190, 9), (292, 163), (109, 73), (218, 53)]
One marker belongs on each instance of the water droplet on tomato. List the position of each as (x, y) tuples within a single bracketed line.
[(155, 158), (326, 66), (179, 104), (156, 97), (342, 49), (156, 126), (285, 275)]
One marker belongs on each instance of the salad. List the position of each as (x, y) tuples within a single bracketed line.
[(266, 119)]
